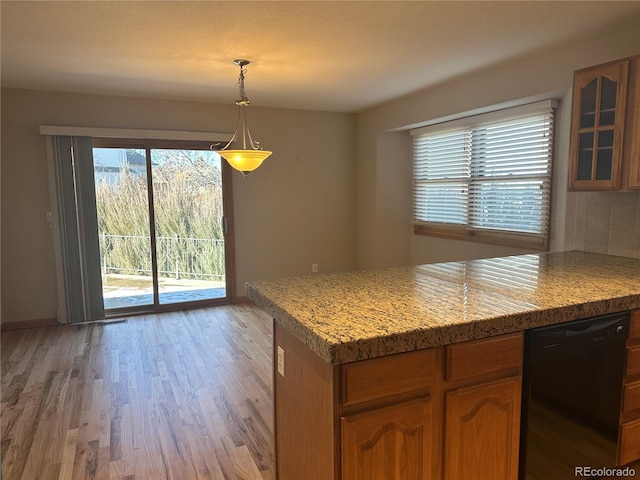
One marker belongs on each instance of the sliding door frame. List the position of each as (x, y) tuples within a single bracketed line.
[(227, 199)]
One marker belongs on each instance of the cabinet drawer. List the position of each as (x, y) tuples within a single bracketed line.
[(631, 397), (633, 360), (389, 376), (634, 326), (480, 357), (629, 448)]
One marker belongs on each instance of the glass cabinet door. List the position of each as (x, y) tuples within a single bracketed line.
[(634, 177), (597, 129)]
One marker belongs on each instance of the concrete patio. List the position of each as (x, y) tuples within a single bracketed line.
[(124, 291)]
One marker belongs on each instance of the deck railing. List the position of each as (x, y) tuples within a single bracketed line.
[(188, 258)]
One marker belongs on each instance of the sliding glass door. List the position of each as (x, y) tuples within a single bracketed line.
[(189, 237), (162, 226), (122, 202)]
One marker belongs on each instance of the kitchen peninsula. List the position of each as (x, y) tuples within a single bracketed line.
[(373, 370)]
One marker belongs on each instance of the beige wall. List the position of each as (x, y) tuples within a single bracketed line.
[(384, 171), (336, 192), (297, 209)]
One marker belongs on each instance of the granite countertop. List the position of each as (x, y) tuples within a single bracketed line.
[(352, 316)]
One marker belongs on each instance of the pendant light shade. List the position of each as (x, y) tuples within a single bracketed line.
[(251, 155), (245, 161)]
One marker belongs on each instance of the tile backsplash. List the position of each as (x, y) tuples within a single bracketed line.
[(605, 222)]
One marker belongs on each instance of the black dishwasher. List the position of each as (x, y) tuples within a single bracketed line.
[(572, 388)]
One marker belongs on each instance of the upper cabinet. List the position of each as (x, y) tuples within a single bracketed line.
[(604, 127), (634, 163)]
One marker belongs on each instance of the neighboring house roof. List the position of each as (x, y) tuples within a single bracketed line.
[(135, 158)]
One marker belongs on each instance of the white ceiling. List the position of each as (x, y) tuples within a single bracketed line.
[(319, 55)]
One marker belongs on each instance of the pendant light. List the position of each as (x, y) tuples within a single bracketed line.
[(251, 155)]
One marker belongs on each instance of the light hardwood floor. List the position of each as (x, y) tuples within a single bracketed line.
[(182, 395)]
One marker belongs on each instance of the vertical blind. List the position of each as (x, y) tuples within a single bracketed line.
[(489, 172), (70, 161)]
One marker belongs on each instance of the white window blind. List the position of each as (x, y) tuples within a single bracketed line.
[(489, 173)]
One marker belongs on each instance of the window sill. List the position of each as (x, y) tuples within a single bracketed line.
[(508, 239)]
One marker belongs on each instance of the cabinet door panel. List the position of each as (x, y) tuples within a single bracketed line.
[(482, 428), (634, 174), (390, 443), (597, 126), (629, 449)]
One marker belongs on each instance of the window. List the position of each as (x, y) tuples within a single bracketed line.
[(486, 178)]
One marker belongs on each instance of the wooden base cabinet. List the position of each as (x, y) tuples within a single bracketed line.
[(629, 441), (391, 443), (438, 413), (483, 392), (391, 420), (482, 431)]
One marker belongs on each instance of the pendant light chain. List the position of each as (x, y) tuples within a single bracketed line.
[(243, 96)]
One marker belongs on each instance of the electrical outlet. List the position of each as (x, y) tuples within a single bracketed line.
[(314, 268), (280, 360)]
